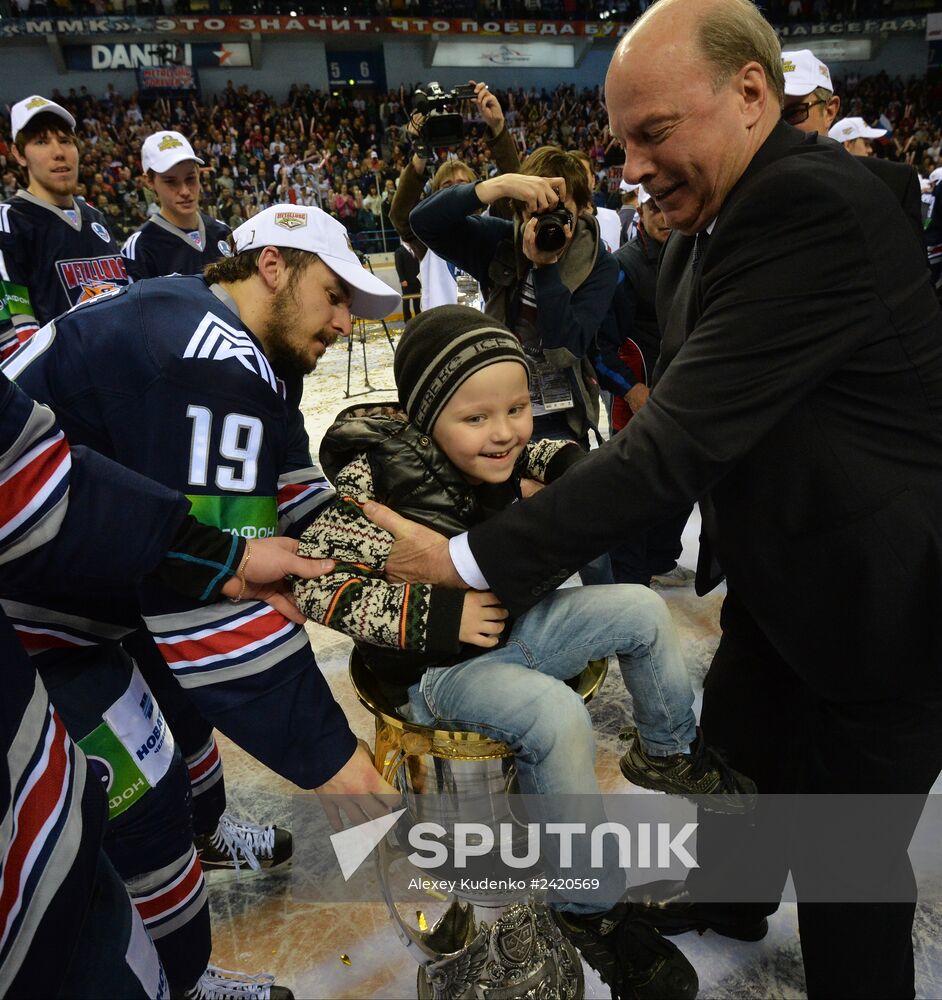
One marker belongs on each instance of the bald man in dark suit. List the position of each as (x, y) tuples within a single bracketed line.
[(803, 408)]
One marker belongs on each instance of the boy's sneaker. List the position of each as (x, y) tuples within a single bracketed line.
[(701, 772), (239, 842), (679, 576), (633, 960), (222, 984)]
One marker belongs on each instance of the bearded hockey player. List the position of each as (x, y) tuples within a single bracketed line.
[(182, 376)]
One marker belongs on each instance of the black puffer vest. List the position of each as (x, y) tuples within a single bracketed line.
[(410, 473)]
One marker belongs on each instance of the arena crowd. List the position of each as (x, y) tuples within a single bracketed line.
[(344, 152)]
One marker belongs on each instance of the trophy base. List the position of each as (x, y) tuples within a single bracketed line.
[(521, 956)]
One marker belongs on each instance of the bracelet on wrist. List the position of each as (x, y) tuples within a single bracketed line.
[(240, 573)]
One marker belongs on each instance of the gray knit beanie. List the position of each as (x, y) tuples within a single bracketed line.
[(442, 348)]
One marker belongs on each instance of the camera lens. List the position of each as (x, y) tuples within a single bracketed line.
[(550, 236)]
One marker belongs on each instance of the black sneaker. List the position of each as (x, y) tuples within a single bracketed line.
[(668, 906), (223, 984), (240, 842), (702, 772), (633, 960)]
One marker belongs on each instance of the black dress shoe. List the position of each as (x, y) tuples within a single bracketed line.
[(668, 906)]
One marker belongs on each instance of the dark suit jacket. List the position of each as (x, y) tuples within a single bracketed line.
[(903, 181), (807, 402)]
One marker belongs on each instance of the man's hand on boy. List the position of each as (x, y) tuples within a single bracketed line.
[(482, 619), (529, 487), (418, 554)]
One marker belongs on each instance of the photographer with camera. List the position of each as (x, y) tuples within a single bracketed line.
[(547, 275), (436, 279)]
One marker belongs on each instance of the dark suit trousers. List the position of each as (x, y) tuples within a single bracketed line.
[(777, 730)]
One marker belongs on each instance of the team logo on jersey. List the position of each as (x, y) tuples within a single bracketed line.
[(87, 279), (290, 220), (216, 340), (168, 142), (196, 240), (99, 230), (224, 248)]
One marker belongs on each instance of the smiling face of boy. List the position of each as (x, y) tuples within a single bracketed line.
[(487, 423)]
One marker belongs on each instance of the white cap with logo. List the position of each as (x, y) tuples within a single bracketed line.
[(24, 111), (305, 227), (854, 128), (164, 150), (804, 72)]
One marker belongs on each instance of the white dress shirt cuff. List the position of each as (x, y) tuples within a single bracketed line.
[(465, 563)]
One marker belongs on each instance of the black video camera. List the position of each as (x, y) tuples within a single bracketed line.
[(442, 127), (550, 235)]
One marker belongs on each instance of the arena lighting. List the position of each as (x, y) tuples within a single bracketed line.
[(292, 13)]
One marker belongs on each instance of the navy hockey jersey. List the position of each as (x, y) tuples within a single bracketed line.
[(159, 247), (52, 504), (164, 378), (50, 260)]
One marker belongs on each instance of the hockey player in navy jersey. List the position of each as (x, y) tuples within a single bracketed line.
[(180, 239), (55, 250), (181, 377), (67, 927), (183, 240)]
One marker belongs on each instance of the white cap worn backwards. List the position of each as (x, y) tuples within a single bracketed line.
[(164, 150), (24, 111), (854, 128), (804, 72), (304, 227)]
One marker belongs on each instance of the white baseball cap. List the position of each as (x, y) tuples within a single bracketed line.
[(626, 187), (804, 72), (935, 176), (24, 111), (164, 150), (305, 227), (854, 128)]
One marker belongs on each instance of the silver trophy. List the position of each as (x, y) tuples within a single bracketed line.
[(486, 945)]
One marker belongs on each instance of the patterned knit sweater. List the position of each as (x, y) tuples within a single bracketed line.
[(372, 453)]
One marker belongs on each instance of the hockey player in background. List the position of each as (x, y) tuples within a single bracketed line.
[(180, 239), (55, 249)]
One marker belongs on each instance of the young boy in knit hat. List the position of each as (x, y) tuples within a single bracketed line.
[(457, 452)]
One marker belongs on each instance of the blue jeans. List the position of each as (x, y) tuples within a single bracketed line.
[(514, 693)]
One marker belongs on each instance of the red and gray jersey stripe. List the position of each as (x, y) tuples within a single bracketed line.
[(41, 829), (34, 484), (204, 767), (41, 629), (218, 642), (301, 496), (170, 897)]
